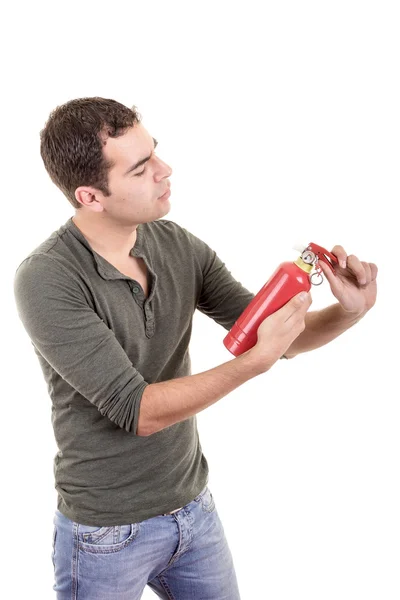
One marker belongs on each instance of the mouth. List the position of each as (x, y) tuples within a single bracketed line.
[(166, 194)]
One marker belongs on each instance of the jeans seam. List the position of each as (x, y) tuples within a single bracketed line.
[(54, 546), (164, 584), (74, 574)]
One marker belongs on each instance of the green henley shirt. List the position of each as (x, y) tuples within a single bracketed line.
[(100, 342)]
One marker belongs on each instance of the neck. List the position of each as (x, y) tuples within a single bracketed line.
[(108, 239)]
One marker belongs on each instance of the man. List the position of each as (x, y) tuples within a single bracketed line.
[(108, 301)]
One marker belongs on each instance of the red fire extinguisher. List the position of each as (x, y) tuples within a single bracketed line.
[(289, 279)]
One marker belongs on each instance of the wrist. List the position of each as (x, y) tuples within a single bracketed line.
[(257, 362), (352, 315)]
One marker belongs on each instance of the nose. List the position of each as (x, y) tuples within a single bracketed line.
[(163, 170)]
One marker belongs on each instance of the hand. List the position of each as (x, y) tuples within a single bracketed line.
[(354, 284), (278, 331)]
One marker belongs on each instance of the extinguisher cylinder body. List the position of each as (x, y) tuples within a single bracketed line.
[(288, 280)]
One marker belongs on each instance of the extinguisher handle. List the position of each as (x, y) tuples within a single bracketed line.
[(327, 257)]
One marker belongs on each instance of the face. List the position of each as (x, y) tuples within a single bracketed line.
[(138, 180)]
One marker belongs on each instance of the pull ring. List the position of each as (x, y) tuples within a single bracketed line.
[(317, 275)]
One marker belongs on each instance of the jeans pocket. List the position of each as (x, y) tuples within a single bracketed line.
[(104, 540)]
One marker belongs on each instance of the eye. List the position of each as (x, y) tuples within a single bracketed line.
[(141, 173)]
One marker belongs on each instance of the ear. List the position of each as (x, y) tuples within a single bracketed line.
[(89, 197)]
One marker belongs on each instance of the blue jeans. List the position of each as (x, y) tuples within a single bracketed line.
[(182, 556)]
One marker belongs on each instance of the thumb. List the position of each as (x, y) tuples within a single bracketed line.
[(299, 301)]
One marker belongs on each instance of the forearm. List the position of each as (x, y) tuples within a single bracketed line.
[(169, 402), (322, 326)]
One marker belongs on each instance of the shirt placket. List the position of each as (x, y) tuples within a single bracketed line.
[(145, 306)]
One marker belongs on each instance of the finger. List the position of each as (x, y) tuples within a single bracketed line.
[(331, 277), (354, 265), (341, 255), (367, 269), (374, 271)]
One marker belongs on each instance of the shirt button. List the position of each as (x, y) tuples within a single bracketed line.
[(135, 290)]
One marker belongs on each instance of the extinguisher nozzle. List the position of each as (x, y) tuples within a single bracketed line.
[(300, 246)]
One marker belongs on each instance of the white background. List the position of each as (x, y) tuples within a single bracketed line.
[(281, 122)]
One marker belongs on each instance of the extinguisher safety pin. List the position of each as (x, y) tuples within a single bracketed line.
[(317, 274)]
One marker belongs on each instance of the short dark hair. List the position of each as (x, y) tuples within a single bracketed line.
[(72, 140)]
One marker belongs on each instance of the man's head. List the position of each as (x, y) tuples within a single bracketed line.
[(89, 147)]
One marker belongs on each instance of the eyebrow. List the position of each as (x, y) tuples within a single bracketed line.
[(142, 161)]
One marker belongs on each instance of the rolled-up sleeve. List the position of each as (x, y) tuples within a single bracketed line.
[(222, 297), (75, 341)]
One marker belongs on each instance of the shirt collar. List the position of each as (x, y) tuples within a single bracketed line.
[(104, 268)]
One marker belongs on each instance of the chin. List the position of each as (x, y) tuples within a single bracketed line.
[(165, 207), (160, 213)]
